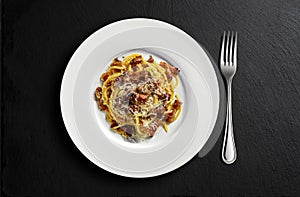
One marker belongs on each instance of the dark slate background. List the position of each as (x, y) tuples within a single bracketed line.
[(39, 159)]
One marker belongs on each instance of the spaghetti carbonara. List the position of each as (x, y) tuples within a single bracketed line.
[(138, 96)]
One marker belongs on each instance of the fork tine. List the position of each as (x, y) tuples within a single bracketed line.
[(230, 49), (235, 50), (227, 50), (222, 49)]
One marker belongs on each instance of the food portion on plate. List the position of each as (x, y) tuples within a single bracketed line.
[(138, 96)]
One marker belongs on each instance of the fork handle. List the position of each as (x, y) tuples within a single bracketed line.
[(229, 150)]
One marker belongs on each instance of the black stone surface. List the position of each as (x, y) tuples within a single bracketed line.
[(39, 159)]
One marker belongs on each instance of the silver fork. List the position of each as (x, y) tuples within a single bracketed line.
[(228, 64)]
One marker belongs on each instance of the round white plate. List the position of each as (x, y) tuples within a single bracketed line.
[(198, 89)]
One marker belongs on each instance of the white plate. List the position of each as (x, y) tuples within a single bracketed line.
[(166, 151)]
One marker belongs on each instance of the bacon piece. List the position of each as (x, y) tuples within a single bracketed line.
[(164, 65), (170, 117), (104, 76), (132, 98), (150, 60), (165, 96), (134, 62), (113, 124), (175, 71), (176, 104), (109, 91), (116, 60), (133, 109), (142, 97), (98, 93), (137, 60), (116, 64), (140, 89), (101, 106)]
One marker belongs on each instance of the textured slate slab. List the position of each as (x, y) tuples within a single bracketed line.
[(39, 159)]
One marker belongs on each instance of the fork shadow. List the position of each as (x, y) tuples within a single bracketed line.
[(219, 125)]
